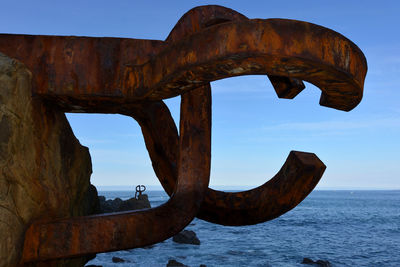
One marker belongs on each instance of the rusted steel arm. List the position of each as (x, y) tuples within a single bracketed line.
[(295, 180), (76, 71), (278, 47), (65, 61), (116, 231)]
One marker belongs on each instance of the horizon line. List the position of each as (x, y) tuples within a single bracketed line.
[(238, 187)]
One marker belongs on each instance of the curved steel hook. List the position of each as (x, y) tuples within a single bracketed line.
[(123, 230), (296, 179)]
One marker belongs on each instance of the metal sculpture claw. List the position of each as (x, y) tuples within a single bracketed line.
[(131, 77)]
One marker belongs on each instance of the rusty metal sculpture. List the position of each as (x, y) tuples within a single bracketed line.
[(139, 190), (131, 77)]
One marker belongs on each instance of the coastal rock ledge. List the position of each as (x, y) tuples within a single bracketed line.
[(44, 170)]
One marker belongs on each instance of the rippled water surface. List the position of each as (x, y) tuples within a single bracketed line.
[(347, 228)]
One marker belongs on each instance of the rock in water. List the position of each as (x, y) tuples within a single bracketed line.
[(321, 263), (174, 263), (107, 206), (117, 260), (186, 237), (44, 170), (307, 261), (142, 202)]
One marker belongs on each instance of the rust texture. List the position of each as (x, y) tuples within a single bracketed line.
[(123, 230), (132, 77)]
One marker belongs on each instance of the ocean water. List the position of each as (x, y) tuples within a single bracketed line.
[(346, 228)]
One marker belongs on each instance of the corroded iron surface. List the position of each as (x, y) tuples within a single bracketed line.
[(131, 77), (123, 230), (80, 71)]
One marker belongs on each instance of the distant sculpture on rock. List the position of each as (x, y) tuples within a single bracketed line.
[(140, 201)]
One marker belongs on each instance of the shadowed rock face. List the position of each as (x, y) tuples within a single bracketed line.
[(44, 171)]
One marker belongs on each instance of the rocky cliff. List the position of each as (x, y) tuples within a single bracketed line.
[(44, 171)]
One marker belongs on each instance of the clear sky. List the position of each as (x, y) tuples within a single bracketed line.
[(253, 130)]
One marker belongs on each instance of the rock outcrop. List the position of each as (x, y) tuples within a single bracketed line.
[(186, 237), (44, 170), (117, 204), (174, 263), (321, 263), (117, 260)]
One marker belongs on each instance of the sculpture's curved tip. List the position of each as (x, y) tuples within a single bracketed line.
[(296, 179)]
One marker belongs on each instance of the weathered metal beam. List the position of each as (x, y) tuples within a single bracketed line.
[(77, 70), (45, 240)]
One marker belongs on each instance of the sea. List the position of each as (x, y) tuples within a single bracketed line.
[(344, 227)]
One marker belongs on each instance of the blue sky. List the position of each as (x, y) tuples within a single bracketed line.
[(253, 130)]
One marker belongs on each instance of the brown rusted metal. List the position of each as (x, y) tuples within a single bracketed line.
[(123, 230), (131, 77), (78, 71), (280, 194), (296, 179)]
